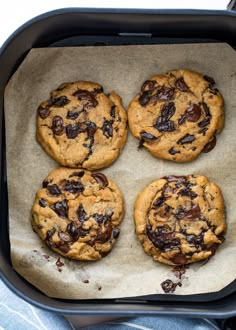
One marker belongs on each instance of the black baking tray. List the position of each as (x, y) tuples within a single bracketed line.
[(84, 27)]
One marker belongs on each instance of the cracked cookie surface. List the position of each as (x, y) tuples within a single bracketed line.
[(177, 115), (180, 219), (80, 126), (77, 213)]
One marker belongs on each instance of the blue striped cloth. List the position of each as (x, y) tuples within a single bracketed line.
[(15, 313)]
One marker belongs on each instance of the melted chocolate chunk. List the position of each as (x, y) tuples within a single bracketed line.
[(148, 136), (180, 214), (91, 128), (73, 114), (99, 218), (73, 187), (148, 85), (213, 248), (113, 111), (193, 112), (43, 112), (75, 231), (82, 232), (181, 85), (49, 235), (61, 208), (186, 139), (169, 286), (97, 91), (163, 239), (89, 146), (164, 126), (88, 97), (193, 213), (59, 101), (101, 179), (57, 125), (79, 174), (107, 128), (63, 247), (204, 122), (197, 241), (72, 130), (210, 80), (72, 229), (115, 233), (81, 214), (173, 151), (179, 259), (168, 110), (206, 109), (54, 190), (182, 119), (141, 142), (210, 145), (175, 178), (42, 202), (45, 183), (104, 235), (64, 237), (187, 192), (159, 202), (144, 98), (163, 123), (165, 93), (85, 281), (203, 130), (164, 211), (59, 263), (179, 271)]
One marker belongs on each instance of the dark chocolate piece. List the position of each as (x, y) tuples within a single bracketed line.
[(186, 139), (87, 97), (81, 213), (59, 101), (107, 128), (148, 85), (73, 187), (101, 179), (210, 145), (57, 125), (193, 112), (61, 208), (53, 190), (42, 202), (181, 85), (43, 112), (169, 286), (148, 136)]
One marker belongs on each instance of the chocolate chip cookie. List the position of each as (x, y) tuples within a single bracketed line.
[(180, 219), (77, 213), (177, 115), (80, 126)]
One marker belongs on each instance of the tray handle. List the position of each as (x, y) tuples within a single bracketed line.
[(232, 5)]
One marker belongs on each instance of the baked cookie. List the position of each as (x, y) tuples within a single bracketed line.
[(176, 115), (180, 219), (80, 126), (77, 213)]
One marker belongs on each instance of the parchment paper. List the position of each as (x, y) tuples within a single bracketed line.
[(127, 271)]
